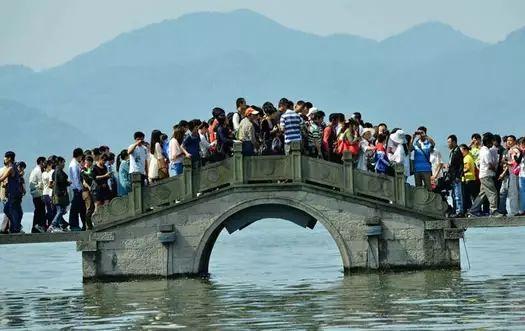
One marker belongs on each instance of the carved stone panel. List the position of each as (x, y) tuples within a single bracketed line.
[(267, 168), (166, 191), (322, 172), (214, 175), (374, 185)]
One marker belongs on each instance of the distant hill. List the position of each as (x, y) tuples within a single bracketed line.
[(31, 133), (152, 77)]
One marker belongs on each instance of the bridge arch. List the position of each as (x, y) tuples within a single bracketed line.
[(247, 212)]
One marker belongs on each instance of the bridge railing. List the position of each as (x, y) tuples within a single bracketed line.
[(240, 170)]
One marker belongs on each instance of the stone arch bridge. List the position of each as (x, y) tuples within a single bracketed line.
[(169, 228)]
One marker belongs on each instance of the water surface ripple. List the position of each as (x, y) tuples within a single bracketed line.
[(271, 275)]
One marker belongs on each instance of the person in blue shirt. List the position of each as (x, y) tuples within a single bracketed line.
[(192, 142), (422, 148), (124, 180)]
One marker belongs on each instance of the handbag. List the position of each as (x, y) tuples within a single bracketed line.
[(344, 145), (163, 169)]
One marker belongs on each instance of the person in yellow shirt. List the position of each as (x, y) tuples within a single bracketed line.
[(475, 145), (470, 185)]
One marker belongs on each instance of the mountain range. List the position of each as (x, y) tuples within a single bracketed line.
[(430, 75)]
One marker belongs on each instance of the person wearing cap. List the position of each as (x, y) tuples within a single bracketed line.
[(311, 113), (314, 135), (14, 194), (247, 132)]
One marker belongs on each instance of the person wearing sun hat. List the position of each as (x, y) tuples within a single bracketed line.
[(400, 152), (366, 149), (246, 132)]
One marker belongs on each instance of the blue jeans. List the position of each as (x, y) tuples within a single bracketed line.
[(522, 194), (59, 217), (457, 196), (176, 169), (13, 210), (50, 209)]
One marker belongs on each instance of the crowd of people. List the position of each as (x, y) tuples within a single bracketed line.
[(485, 177)]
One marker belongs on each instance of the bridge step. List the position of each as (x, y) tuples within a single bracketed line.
[(486, 222)]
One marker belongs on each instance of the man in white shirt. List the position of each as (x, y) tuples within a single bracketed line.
[(138, 156), (487, 173), (239, 114), (36, 188), (78, 209)]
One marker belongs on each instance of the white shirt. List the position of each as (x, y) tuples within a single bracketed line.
[(46, 179), (236, 119), (74, 175), (401, 157), (486, 161), (435, 161), (175, 151), (36, 185), (363, 148), (204, 145), (137, 160)]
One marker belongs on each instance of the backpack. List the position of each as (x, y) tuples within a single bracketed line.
[(14, 184)]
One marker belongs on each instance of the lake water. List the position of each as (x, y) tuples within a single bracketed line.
[(271, 275)]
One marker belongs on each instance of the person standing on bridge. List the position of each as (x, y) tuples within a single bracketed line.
[(470, 187), (241, 106), (36, 188), (157, 164), (487, 173), (521, 175), (102, 192), (176, 152), (513, 154), (60, 182), (422, 147), (246, 132), (124, 182), (191, 143), (14, 194), (138, 156), (290, 123), (87, 194), (78, 209), (455, 171)]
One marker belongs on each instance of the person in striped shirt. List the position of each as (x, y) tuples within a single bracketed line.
[(314, 136), (291, 126)]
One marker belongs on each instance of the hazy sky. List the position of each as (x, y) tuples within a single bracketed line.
[(46, 33)]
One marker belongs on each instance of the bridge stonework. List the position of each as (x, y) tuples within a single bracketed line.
[(169, 229)]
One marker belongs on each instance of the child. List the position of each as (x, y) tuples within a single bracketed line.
[(381, 159)]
